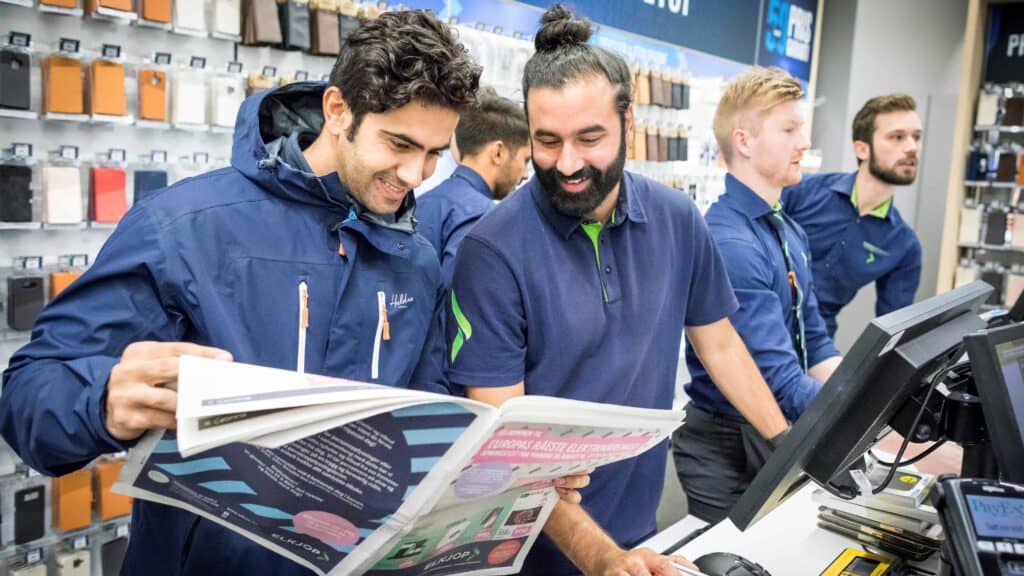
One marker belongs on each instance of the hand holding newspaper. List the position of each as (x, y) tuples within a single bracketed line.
[(348, 477)]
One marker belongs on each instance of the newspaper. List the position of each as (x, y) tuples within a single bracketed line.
[(347, 477)]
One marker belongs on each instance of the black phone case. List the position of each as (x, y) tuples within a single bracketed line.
[(15, 80), (112, 556), (29, 514), (15, 193), (25, 299)]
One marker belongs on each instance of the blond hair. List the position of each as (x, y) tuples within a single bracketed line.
[(747, 98)]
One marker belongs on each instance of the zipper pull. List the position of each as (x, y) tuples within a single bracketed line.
[(341, 249), (300, 365), (386, 334)]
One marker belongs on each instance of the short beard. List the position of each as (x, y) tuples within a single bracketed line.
[(890, 177), (579, 204)]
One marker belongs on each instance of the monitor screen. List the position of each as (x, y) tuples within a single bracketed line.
[(890, 361), (997, 364), (997, 516)]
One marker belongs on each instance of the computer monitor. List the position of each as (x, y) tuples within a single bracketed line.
[(997, 363), (886, 365)]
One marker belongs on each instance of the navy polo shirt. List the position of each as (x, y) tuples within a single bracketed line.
[(588, 312), (447, 212), (744, 228), (850, 250)]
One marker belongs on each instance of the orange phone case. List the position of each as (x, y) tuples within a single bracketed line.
[(153, 95), (107, 94), (61, 3), (110, 505), (62, 85), (72, 500), (157, 10), (61, 280)]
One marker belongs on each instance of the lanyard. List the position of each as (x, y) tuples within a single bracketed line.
[(778, 223)]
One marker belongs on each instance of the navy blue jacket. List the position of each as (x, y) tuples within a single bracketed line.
[(849, 250), (217, 260)]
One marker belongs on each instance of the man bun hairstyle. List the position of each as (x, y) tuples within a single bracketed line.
[(401, 57), (563, 55)]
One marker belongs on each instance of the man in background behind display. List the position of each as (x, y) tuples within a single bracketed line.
[(857, 235), (493, 139), (759, 128)]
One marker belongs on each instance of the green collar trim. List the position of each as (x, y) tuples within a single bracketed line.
[(881, 211)]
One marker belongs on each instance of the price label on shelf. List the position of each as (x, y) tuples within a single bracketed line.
[(197, 62), (201, 158), (159, 156), (111, 51), (234, 67), (121, 531), (116, 155), (21, 150), (162, 58), (269, 71), (69, 152), (33, 556), (69, 45), (301, 75), (80, 543), (19, 39)]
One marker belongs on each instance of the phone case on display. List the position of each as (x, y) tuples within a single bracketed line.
[(259, 83), (25, 299), (652, 144), (294, 17), (643, 87), (977, 165), (663, 145), (666, 91), (190, 14), (110, 505), (1013, 115), (261, 24), (1017, 232), (673, 148), (640, 142), (1020, 169), (62, 195), (677, 94), (684, 149), (1006, 166), (657, 88), (188, 98), (227, 17), (686, 96), (996, 280), (1014, 288), (226, 95), (15, 193), (112, 556), (109, 198), (995, 228), (147, 181), (29, 514), (70, 4), (33, 570), (62, 85), (15, 80), (59, 281), (77, 563), (107, 95), (157, 10), (153, 95), (121, 5), (988, 109), (970, 225), (72, 497), (325, 31), (347, 24), (965, 275)]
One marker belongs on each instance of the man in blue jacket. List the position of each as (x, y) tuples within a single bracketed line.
[(758, 126), (857, 235), (493, 139), (317, 201)]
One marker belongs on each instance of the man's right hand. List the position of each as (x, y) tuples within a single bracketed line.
[(137, 398)]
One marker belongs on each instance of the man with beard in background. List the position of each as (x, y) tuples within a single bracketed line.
[(857, 235), (580, 285)]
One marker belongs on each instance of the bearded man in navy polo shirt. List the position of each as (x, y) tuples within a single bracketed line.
[(759, 129), (581, 284), (856, 234)]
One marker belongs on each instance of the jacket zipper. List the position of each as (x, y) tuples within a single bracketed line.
[(383, 333), (300, 365)]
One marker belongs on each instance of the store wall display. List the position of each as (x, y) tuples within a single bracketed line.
[(970, 225), (107, 93), (15, 79), (25, 299), (995, 227), (15, 193), (110, 505), (72, 500), (29, 514), (190, 15), (153, 95), (108, 198), (62, 194), (188, 97), (227, 17), (325, 27), (62, 85), (147, 181), (294, 18), (226, 96), (261, 25), (1004, 57)]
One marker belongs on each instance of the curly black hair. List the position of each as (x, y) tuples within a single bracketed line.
[(563, 55), (402, 57)]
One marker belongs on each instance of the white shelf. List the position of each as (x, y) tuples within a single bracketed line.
[(191, 127), (66, 117), (992, 248), (190, 32), (222, 129), (24, 3), (107, 119), (102, 225), (152, 125), (143, 23), (226, 37), (110, 15), (64, 226), (61, 11), (23, 114), (1004, 129), (21, 225), (990, 184)]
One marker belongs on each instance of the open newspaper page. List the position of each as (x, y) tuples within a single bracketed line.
[(500, 496), (316, 495)]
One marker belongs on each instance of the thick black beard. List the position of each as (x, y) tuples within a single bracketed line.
[(890, 177), (602, 182)]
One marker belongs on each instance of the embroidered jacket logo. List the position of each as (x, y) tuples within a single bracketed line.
[(400, 301)]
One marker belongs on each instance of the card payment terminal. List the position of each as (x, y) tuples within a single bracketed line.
[(984, 525)]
